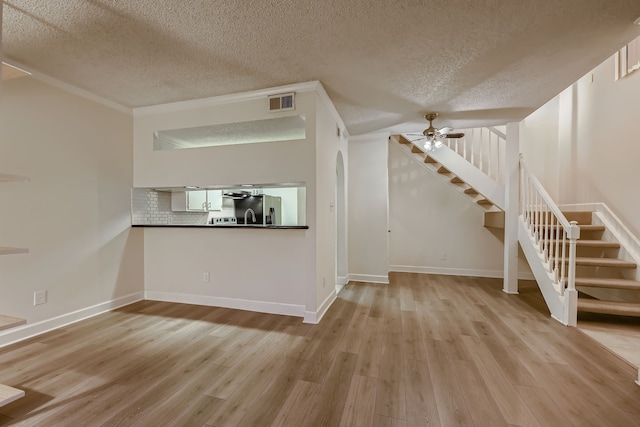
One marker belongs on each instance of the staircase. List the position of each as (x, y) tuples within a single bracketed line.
[(598, 275), (459, 171), (605, 282)]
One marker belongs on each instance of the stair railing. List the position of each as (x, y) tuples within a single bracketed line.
[(550, 230), (484, 148)]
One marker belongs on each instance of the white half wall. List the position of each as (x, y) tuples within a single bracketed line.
[(75, 214), (252, 269), (368, 207)]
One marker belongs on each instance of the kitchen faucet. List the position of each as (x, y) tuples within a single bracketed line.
[(253, 215)]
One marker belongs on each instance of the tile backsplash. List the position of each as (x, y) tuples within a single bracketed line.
[(154, 207)]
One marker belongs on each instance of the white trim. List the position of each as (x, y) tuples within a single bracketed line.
[(14, 335), (370, 278), (314, 317), (72, 89), (341, 282), (225, 99), (235, 303), (470, 272)]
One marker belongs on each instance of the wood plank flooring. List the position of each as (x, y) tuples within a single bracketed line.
[(424, 350)]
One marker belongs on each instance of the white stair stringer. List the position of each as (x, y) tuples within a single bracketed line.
[(466, 171), (562, 305)]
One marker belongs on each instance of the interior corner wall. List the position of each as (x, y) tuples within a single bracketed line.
[(434, 228), (368, 236), (328, 143), (75, 213), (591, 130)]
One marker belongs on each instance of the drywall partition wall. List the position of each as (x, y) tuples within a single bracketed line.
[(266, 270), (74, 215), (328, 143), (269, 162), (290, 283), (597, 142), (434, 228), (368, 208)]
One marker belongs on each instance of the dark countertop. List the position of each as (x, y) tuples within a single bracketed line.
[(272, 227)]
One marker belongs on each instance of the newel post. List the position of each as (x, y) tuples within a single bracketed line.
[(512, 203), (571, 294)]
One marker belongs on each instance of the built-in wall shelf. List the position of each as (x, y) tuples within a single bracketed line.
[(9, 394), (4, 177), (7, 322), (6, 250)]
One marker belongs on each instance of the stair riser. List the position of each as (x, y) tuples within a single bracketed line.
[(622, 295), (580, 217), (591, 271), (594, 252)]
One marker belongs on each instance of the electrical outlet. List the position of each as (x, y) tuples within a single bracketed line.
[(206, 277), (443, 256), (39, 297)]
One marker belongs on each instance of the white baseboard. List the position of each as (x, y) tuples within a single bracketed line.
[(369, 278), (239, 304), (314, 317), (494, 274), (30, 330), (341, 281)]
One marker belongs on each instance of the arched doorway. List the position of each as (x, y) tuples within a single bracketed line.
[(341, 224)]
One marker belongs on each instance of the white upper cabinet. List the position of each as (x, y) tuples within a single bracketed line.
[(196, 200)]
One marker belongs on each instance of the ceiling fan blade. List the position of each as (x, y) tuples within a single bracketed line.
[(445, 130), (453, 135)]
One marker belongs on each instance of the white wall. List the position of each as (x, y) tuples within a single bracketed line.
[(74, 215), (428, 218), (368, 208), (328, 143), (301, 264), (262, 163), (254, 269), (589, 134)]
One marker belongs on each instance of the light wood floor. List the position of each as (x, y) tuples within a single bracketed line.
[(619, 334), (424, 350)]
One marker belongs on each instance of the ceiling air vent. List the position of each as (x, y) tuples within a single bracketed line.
[(282, 102)]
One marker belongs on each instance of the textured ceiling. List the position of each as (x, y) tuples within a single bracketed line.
[(384, 63)]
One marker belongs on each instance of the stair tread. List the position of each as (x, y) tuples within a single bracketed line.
[(609, 307), (7, 322), (470, 190), (604, 282), (605, 262), (8, 394), (583, 227)]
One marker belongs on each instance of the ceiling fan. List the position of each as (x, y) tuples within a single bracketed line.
[(433, 136)]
